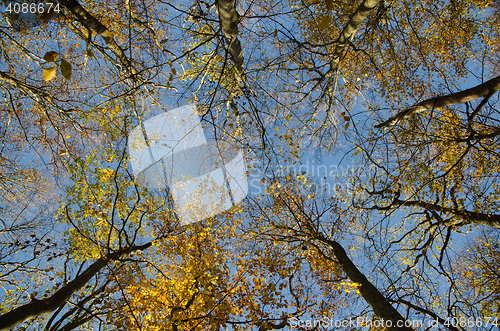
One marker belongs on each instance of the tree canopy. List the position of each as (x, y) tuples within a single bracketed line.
[(370, 137)]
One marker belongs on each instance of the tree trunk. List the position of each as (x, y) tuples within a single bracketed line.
[(458, 215), (487, 88), (381, 307), (229, 23), (364, 9), (40, 307), (91, 23)]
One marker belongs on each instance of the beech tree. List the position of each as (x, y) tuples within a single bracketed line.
[(407, 90), (307, 219)]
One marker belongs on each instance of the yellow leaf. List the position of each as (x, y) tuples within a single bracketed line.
[(275, 34), (49, 74), (50, 56), (107, 34), (174, 71), (325, 22)]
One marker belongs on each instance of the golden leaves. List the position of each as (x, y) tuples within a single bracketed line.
[(49, 74), (346, 118), (107, 34)]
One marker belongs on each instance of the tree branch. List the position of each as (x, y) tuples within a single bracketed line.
[(381, 306), (488, 88), (229, 23), (40, 307), (91, 23), (364, 9), (427, 312), (458, 215)]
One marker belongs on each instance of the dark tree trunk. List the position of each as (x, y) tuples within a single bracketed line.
[(381, 307), (40, 307)]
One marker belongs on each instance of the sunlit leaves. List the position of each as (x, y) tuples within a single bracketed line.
[(49, 73), (258, 261), (479, 268)]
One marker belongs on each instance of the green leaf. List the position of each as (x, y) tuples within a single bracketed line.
[(49, 73), (50, 56), (65, 69), (325, 22)]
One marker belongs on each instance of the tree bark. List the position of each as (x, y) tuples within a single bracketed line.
[(40, 307), (364, 9), (91, 23), (458, 215), (229, 22), (488, 88), (381, 307)]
